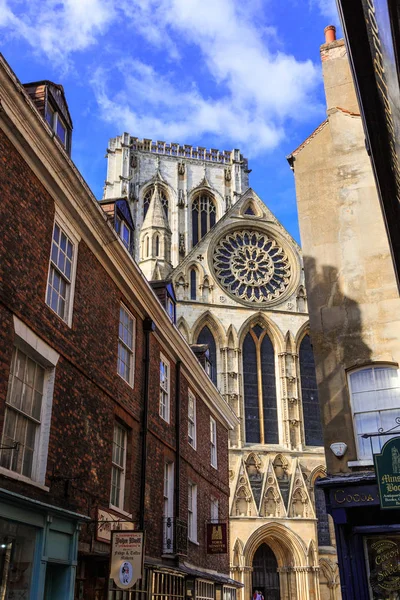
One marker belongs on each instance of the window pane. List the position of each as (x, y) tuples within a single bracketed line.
[(61, 130)]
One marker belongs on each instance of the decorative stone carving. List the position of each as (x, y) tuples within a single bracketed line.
[(228, 174), (181, 168), (252, 266), (182, 246), (228, 201), (299, 504), (134, 161), (181, 199)]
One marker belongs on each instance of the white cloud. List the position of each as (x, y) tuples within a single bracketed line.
[(56, 28), (328, 9), (256, 91)]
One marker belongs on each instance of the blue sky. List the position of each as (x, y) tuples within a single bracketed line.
[(217, 73)]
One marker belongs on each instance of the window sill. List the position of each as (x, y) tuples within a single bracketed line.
[(23, 479), (131, 385), (195, 542), (368, 462), (120, 511)]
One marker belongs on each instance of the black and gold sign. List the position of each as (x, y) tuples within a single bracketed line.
[(387, 466), (384, 566)]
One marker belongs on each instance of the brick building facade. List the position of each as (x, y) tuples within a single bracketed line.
[(108, 419)]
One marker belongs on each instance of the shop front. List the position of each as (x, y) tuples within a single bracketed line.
[(367, 536), (38, 549)]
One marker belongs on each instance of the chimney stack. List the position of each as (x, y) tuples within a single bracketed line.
[(330, 34)]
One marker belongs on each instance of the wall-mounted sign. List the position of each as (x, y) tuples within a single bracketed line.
[(127, 552), (217, 538), (108, 522), (387, 466), (384, 566), (349, 496)]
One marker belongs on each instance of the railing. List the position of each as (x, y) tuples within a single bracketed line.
[(174, 536)]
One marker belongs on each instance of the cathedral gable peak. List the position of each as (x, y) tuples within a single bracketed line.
[(271, 504), (300, 505), (244, 504)]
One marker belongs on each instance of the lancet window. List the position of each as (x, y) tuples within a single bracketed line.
[(261, 413), (309, 395), (148, 196), (203, 216)]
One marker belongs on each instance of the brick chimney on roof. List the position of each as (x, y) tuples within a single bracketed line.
[(330, 34)]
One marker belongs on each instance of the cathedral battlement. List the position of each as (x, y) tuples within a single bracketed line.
[(226, 157)]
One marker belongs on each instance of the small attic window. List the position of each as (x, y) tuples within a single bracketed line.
[(250, 210), (56, 123)]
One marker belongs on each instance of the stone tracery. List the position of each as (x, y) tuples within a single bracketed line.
[(252, 266)]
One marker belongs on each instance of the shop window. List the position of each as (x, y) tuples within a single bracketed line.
[(167, 586), (192, 419), (164, 389), (27, 416), (309, 395), (229, 593), (126, 341), (17, 553), (118, 467), (375, 400), (204, 590)]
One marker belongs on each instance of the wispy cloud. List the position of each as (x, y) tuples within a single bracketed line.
[(328, 9), (253, 91)]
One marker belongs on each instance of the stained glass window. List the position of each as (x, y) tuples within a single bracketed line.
[(203, 216)]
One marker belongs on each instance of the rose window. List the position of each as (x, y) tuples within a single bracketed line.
[(252, 266)]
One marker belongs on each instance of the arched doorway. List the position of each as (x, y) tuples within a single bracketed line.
[(265, 573)]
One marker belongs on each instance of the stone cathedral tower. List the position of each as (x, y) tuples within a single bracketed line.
[(239, 283)]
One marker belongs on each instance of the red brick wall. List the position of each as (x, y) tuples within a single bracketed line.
[(89, 395)]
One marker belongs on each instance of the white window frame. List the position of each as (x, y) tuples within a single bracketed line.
[(165, 390), (205, 590), (121, 468), (33, 346), (171, 309), (192, 425), (192, 512), (376, 442), (214, 510), (122, 344), (213, 443), (65, 225), (122, 224), (168, 506)]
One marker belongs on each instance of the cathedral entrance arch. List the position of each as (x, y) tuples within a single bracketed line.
[(265, 574)]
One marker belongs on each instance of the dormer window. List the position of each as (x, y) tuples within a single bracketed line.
[(56, 123), (124, 231)]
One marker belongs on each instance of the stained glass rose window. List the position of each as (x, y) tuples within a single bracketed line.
[(252, 266)]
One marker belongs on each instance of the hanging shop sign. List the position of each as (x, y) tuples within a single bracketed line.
[(108, 522), (127, 553), (384, 566), (217, 538), (387, 467)]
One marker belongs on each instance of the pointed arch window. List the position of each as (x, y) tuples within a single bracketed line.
[(309, 395), (261, 412), (157, 244), (203, 216), (193, 284), (206, 337), (147, 198)]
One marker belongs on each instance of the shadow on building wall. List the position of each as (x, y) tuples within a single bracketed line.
[(338, 338)]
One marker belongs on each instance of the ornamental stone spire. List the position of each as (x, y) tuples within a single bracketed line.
[(155, 240)]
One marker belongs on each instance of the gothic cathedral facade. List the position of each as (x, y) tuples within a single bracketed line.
[(239, 284)]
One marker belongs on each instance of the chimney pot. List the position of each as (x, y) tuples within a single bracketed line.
[(330, 34)]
